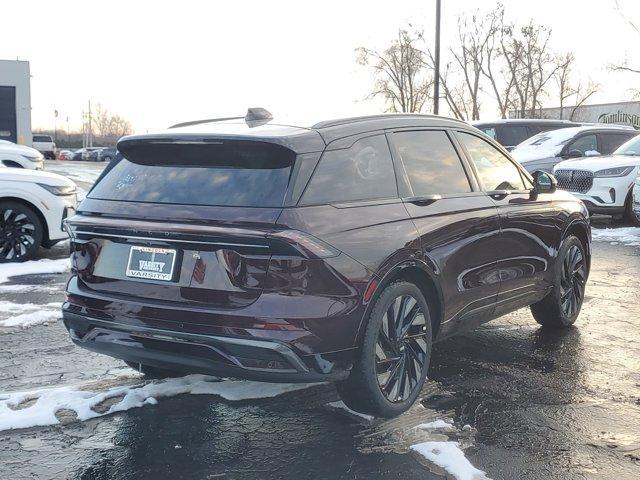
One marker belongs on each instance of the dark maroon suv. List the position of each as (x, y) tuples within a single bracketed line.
[(338, 251)]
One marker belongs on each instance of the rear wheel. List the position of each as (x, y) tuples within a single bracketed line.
[(21, 232), (561, 307), (392, 365), (153, 372)]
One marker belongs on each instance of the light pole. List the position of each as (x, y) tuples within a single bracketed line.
[(436, 82)]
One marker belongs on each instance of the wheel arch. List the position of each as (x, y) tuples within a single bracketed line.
[(43, 220), (419, 274)]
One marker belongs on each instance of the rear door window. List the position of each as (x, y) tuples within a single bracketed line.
[(611, 141), (363, 171), (229, 173), (512, 135), (431, 162), (496, 171)]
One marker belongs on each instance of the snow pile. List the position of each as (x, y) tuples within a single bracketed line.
[(29, 314), (626, 235), (8, 270), (40, 406), (449, 456)]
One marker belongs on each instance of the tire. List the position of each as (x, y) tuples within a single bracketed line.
[(372, 391), (21, 232), (153, 372), (561, 307), (630, 216)]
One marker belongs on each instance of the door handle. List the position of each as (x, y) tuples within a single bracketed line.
[(498, 194), (422, 200)]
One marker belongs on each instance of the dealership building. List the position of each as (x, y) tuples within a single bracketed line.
[(15, 101), (622, 113)]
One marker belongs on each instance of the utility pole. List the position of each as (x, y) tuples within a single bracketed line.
[(436, 82), (55, 125)]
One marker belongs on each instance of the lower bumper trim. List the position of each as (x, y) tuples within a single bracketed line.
[(261, 360)]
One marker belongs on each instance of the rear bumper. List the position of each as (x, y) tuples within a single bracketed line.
[(248, 358)]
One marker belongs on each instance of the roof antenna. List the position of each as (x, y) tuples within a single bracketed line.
[(258, 116)]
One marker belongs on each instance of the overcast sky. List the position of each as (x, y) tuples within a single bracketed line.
[(162, 62)]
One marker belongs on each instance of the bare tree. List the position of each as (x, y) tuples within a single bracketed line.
[(528, 55), (501, 78), (562, 77), (475, 36), (401, 76), (624, 65), (567, 89), (582, 94), (109, 126)]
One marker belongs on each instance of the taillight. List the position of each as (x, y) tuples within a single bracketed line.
[(306, 244)]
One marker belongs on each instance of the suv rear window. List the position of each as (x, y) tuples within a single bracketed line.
[(225, 173), (42, 138)]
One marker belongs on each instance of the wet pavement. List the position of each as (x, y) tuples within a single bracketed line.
[(525, 402)]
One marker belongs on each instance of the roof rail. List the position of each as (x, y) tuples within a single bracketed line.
[(206, 120)]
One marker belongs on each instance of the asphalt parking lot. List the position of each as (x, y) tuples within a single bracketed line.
[(522, 402)]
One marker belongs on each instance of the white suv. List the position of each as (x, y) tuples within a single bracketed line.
[(33, 206), (21, 156), (604, 183), (44, 144)]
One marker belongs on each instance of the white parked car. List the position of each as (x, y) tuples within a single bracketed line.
[(45, 145), (33, 205), (604, 183), (546, 149), (21, 156)]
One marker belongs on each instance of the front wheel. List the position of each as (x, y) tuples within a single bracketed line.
[(631, 216), (561, 307), (21, 232), (392, 364)]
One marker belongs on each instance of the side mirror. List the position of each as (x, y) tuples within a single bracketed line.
[(544, 182), (591, 153), (574, 154)]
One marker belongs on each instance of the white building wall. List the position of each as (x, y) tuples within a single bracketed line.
[(16, 73)]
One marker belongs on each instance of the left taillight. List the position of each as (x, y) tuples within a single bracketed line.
[(308, 245)]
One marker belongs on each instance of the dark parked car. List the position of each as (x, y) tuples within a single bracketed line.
[(107, 154), (338, 251), (511, 132), (93, 155)]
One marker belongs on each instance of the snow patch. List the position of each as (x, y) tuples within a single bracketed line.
[(43, 404), (625, 235), (30, 314), (449, 456), (33, 267)]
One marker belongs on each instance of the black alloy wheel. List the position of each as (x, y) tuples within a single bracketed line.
[(20, 232), (572, 281), (561, 307), (392, 363), (401, 349)]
